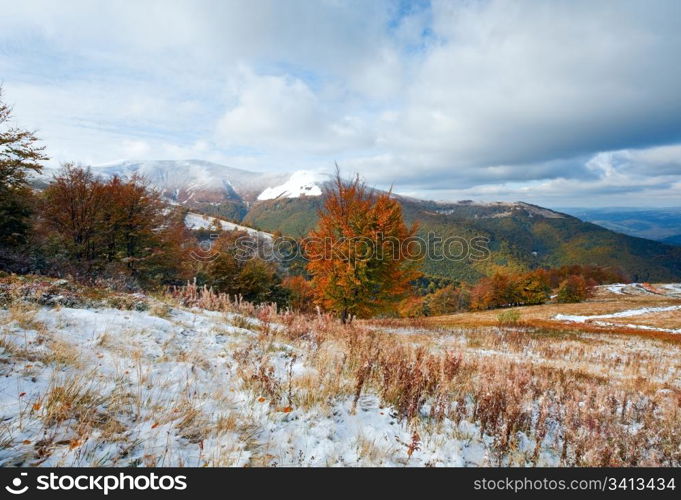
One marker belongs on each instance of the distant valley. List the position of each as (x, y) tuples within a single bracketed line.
[(660, 224)]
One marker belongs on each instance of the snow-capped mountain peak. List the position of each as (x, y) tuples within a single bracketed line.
[(301, 183), (198, 181)]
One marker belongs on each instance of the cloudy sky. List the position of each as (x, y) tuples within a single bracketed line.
[(561, 103)]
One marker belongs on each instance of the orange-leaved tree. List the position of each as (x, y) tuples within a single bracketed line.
[(94, 224), (359, 255)]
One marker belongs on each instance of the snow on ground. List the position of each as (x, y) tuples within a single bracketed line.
[(622, 314), (642, 289), (301, 183), (640, 327), (176, 386), (165, 391), (616, 288), (199, 221), (674, 288)]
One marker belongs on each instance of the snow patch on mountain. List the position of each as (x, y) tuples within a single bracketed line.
[(198, 221), (301, 183)]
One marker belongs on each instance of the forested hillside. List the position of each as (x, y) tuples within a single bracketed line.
[(521, 237)]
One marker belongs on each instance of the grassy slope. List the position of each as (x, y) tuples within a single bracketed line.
[(293, 217)]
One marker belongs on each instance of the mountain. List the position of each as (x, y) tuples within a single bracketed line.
[(291, 216), (197, 178), (519, 236), (660, 224), (209, 187)]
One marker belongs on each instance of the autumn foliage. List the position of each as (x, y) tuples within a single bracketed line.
[(574, 289), (564, 284), (301, 294), (357, 254), (570, 284), (92, 226)]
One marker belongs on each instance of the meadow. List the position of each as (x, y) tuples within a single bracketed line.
[(191, 378)]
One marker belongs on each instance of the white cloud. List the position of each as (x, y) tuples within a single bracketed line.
[(517, 83), (618, 178), (284, 113), (564, 99)]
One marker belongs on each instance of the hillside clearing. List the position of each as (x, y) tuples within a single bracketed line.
[(633, 307)]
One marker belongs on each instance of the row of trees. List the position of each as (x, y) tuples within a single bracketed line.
[(120, 230), (565, 284), (114, 229), (573, 283), (88, 225)]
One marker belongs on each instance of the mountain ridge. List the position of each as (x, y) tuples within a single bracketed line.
[(521, 235)]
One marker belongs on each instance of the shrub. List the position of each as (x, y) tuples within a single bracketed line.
[(246, 276), (510, 317), (412, 307), (300, 293)]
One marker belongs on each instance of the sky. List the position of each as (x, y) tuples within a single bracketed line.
[(560, 103)]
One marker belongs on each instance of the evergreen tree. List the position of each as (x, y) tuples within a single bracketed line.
[(19, 155)]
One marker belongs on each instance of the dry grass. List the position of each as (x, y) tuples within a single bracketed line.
[(665, 319), (569, 393), (541, 316), (54, 351), (23, 314), (547, 311), (530, 387), (73, 408)]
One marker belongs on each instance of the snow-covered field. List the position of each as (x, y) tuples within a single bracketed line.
[(172, 384), (667, 289), (660, 314), (165, 392)]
